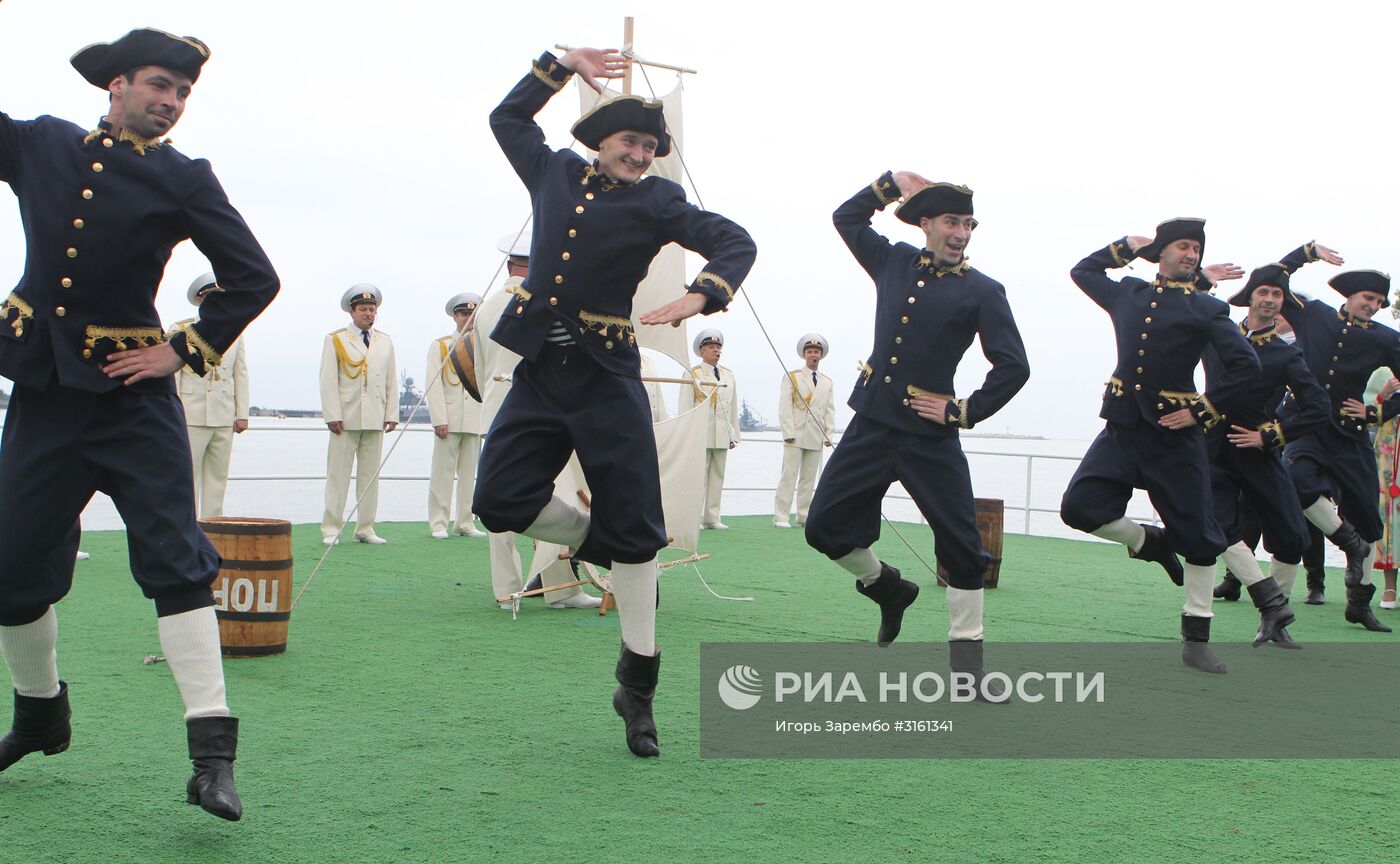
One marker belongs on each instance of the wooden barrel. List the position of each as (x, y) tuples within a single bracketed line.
[(253, 592), (991, 519)]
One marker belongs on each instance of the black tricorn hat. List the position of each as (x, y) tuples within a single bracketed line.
[(1172, 230), (624, 112), (1352, 281), (102, 62), (1270, 274), (935, 200)]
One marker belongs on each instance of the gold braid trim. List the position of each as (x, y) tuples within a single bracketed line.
[(919, 391), (24, 310), (140, 337), (1117, 256), (447, 374), (352, 369), (1263, 338), (1272, 428), (604, 323), (195, 343), (1114, 385), (1208, 415), (878, 188), (1187, 286), (963, 420), (546, 76), (866, 370), (139, 143), (797, 396), (699, 372), (707, 276), (519, 291), (940, 270), (1310, 252)]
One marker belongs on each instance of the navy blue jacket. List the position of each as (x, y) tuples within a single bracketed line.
[(1161, 329), (926, 316), (101, 216), (1257, 405), (594, 240)]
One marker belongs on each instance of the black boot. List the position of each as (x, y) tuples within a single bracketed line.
[(1228, 589), (1156, 548), (1195, 647), (213, 747), (894, 595), (40, 726), (966, 656), (1274, 614), (1357, 550), (1359, 608), (636, 677)]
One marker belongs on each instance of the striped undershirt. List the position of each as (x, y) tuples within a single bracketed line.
[(559, 334)]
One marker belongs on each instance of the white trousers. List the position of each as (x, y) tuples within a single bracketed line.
[(211, 448), (361, 448), (507, 576), (800, 469), (454, 458), (714, 482)]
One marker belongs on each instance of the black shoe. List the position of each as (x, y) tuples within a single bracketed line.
[(1346, 539), (1358, 609), (213, 747), (1195, 647), (1228, 589), (1156, 548), (1315, 597), (894, 595), (636, 677), (966, 656), (1274, 614), (40, 726)]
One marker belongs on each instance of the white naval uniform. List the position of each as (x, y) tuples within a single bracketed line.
[(454, 457), (805, 412), (659, 411), (212, 403), (722, 429), (494, 359), (358, 388)]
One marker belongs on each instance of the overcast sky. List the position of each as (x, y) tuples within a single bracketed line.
[(353, 137)]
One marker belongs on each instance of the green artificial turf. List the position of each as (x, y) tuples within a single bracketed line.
[(412, 720)]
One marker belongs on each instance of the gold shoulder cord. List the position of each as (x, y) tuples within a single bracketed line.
[(352, 369), (447, 373)]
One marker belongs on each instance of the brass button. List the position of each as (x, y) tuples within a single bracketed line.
[(87, 353), (911, 299), (1160, 406), (97, 167), (1142, 353), (1327, 386), (519, 309), (894, 360), (558, 280), (573, 232), (906, 401), (60, 311), (1344, 330), (87, 193), (1147, 320), (1139, 387), (1339, 344), (589, 196), (106, 142), (1159, 290), (1144, 337), (66, 282), (1334, 358), (1331, 372), (920, 283), (899, 340), (565, 256), (608, 344), (887, 379), (578, 209), (1154, 304), (78, 223), (904, 319), (72, 253), (1139, 369)]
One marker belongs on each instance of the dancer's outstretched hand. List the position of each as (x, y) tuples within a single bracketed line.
[(909, 182), (677, 310), (1218, 273), (591, 63)]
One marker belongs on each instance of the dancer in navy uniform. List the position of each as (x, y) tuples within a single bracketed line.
[(94, 405), (1342, 349), (929, 305), (577, 388), (1246, 465), (1153, 436)]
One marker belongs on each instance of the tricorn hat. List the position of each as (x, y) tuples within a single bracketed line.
[(935, 200), (705, 337), (624, 112), (1352, 281), (361, 293), (202, 285), (809, 341), (102, 62), (467, 299), (1172, 230), (1270, 274)]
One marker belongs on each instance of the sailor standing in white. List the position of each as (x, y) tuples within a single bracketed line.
[(216, 409), (359, 403), (457, 429), (722, 405), (807, 416)]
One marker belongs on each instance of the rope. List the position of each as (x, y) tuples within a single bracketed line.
[(699, 199)]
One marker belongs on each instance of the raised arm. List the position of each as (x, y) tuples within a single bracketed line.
[(852, 221), (12, 133), (1091, 274), (728, 249), (1002, 346)]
